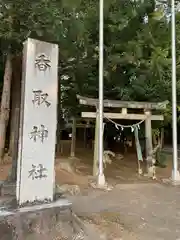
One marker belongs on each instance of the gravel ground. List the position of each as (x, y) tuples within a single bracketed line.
[(136, 211), (108, 226)]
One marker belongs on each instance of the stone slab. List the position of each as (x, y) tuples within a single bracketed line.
[(38, 120)]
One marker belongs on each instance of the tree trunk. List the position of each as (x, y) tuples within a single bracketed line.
[(12, 120), (73, 139), (5, 103), (15, 114), (162, 138), (15, 100), (15, 146)]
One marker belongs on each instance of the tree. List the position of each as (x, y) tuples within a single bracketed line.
[(18, 21), (137, 47)]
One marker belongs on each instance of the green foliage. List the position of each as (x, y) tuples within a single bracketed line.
[(24, 18), (161, 159), (137, 63)]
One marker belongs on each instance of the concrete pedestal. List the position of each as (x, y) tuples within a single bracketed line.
[(46, 221)]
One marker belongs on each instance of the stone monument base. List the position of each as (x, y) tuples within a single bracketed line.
[(45, 221), (7, 188)]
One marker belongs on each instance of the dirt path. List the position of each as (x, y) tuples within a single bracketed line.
[(108, 226), (143, 211), (136, 209)]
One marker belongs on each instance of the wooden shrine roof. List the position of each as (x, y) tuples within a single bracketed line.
[(123, 104)]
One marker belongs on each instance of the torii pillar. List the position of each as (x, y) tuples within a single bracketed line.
[(148, 134)]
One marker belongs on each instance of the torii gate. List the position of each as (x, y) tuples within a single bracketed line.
[(124, 106)]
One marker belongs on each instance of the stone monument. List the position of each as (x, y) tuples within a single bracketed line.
[(36, 214), (38, 120)]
